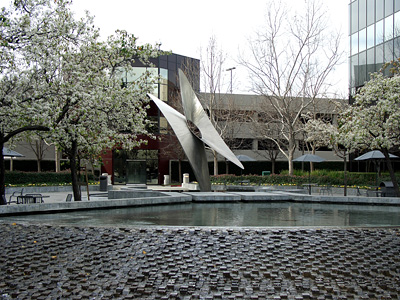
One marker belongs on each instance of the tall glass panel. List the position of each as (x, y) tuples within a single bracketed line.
[(362, 68), (362, 14), (389, 51), (371, 36), (370, 62), (354, 43), (370, 12), (354, 17), (379, 12), (353, 70), (362, 40), (397, 24), (397, 48), (379, 59), (389, 7), (379, 33), (396, 5), (389, 28)]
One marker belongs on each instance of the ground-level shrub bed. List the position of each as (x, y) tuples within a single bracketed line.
[(42, 178), (320, 177)]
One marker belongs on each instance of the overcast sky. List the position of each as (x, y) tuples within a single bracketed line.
[(184, 27)]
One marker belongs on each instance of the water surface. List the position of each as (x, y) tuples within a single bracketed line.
[(282, 214)]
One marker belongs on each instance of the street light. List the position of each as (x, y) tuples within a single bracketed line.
[(231, 69)]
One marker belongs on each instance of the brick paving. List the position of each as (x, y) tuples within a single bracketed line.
[(62, 262)]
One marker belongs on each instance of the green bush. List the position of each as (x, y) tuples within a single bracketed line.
[(320, 177), (42, 178)]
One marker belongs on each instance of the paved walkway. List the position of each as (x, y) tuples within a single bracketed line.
[(51, 262)]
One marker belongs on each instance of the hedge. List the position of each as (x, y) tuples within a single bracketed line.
[(320, 177), (35, 178)]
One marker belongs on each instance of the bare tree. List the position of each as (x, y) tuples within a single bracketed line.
[(289, 64), (211, 62)]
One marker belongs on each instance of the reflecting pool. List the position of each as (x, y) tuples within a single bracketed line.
[(282, 214)]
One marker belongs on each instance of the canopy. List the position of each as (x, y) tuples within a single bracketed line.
[(376, 154), (309, 158), (12, 153)]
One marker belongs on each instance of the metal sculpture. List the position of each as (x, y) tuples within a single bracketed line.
[(195, 119)]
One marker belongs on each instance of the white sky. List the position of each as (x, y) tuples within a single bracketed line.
[(184, 27)]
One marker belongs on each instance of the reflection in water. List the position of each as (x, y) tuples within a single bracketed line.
[(281, 214)]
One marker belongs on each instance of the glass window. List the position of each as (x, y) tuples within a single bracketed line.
[(354, 43), (362, 40), (388, 7), (370, 36), (396, 5), (379, 33), (370, 12), (396, 26), (362, 14), (353, 66), (379, 57), (370, 62), (362, 68), (354, 17), (379, 9), (389, 28), (389, 51), (397, 48)]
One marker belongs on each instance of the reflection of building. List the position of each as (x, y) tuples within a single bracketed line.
[(374, 37)]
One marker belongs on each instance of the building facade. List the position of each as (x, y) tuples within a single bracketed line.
[(374, 33), (150, 162)]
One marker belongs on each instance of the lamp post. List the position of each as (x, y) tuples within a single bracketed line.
[(231, 69)]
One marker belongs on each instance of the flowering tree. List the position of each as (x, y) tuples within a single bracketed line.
[(373, 121), (59, 78)]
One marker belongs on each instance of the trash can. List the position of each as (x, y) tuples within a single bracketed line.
[(167, 180), (103, 182), (387, 189), (266, 173), (186, 178)]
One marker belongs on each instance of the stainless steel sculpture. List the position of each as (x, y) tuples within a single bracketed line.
[(194, 145)]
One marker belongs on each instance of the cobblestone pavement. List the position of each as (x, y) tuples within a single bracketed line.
[(59, 262)]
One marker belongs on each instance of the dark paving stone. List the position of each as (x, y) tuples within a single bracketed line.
[(45, 262)]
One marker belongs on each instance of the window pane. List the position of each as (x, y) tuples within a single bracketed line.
[(396, 5), (389, 51), (370, 12), (370, 62), (362, 40), (362, 68), (397, 24), (353, 72), (362, 15), (388, 7), (389, 28), (354, 43), (379, 57), (370, 36), (379, 9), (397, 48), (354, 17), (379, 32)]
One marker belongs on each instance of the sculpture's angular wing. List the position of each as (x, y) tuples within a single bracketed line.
[(195, 113), (193, 147)]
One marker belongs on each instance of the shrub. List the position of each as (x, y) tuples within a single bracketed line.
[(42, 178)]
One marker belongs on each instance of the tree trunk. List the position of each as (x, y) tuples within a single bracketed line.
[(391, 172), (215, 162), (272, 166), (180, 171), (345, 174), (74, 171), (2, 175)]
